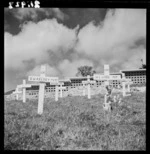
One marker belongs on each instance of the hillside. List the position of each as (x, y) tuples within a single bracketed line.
[(76, 123)]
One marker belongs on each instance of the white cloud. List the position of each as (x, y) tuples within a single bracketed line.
[(35, 40), (110, 42)]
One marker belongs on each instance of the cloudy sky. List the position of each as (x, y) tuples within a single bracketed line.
[(67, 38)]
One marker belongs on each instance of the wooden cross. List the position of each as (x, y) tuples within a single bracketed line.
[(42, 79), (56, 92), (61, 88), (106, 77), (124, 81), (57, 89), (61, 81), (24, 86), (83, 88), (88, 82), (17, 92), (129, 82)]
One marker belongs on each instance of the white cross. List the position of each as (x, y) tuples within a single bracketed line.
[(83, 88), (17, 92), (106, 77), (42, 79), (61, 88), (61, 81), (129, 82), (57, 89), (124, 82), (24, 86), (88, 82)]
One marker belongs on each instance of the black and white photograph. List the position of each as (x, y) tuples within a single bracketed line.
[(74, 78)]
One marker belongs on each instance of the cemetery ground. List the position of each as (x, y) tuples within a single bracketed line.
[(76, 123)]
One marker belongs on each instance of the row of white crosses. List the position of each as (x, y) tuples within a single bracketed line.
[(42, 79), (23, 87)]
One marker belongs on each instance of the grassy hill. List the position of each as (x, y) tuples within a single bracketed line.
[(76, 123)]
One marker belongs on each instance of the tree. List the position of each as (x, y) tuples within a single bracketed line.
[(85, 70), (143, 66)]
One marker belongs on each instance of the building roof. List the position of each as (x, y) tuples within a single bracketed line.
[(84, 77), (133, 70), (81, 77), (115, 73), (9, 92)]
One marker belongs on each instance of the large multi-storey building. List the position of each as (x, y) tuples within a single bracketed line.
[(138, 76)]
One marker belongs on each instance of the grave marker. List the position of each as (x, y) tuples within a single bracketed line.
[(42, 79), (56, 92), (61, 88), (83, 89), (17, 92), (106, 77), (124, 82), (24, 86), (88, 82), (129, 82), (57, 89)]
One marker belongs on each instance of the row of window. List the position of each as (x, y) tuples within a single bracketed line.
[(75, 85), (138, 72), (52, 89), (139, 79), (136, 77), (138, 82), (114, 85)]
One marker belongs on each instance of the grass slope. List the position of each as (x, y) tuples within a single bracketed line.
[(76, 123)]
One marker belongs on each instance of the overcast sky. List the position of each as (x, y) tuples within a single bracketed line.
[(67, 38)]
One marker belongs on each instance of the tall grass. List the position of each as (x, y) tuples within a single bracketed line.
[(75, 123)]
